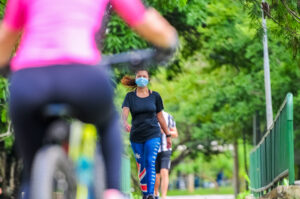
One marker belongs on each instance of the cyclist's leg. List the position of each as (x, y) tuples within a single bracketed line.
[(151, 150), (27, 92), (138, 150), (112, 148), (86, 88)]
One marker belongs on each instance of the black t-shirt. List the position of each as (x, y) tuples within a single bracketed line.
[(143, 111)]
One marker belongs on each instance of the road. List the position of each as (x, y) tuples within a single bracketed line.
[(203, 197)]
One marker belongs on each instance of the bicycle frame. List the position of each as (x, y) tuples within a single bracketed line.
[(82, 147)]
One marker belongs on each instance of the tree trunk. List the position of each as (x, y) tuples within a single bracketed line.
[(191, 180), (245, 158), (236, 179)]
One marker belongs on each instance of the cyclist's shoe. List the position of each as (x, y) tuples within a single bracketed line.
[(113, 194), (150, 197), (24, 191), (156, 197), (144, 197)]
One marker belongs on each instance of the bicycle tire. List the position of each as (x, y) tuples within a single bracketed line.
[(48, 161)]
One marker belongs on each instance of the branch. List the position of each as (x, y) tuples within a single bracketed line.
[(187, 139), (180, 158), (267, 12), (6, 134), (293, 13)]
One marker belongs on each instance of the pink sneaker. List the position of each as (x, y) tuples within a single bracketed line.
[(113, 194)]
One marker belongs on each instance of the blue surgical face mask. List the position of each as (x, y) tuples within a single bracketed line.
[(141, 82)]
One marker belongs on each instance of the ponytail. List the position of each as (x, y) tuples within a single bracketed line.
[(129, 82)]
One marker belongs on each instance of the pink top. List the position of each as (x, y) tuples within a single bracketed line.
[(62, 31)]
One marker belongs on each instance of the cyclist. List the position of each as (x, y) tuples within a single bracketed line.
[(146, 108), (163, 161), (56, 63)]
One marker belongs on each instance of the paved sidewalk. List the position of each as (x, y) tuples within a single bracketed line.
[(203, 197)]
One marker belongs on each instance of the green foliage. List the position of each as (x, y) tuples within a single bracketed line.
[(8, 143), (221, 81), (185, 15), (216, 83), (284, 15), (3, 106), (207, 170), (120, 37), (2, 4)]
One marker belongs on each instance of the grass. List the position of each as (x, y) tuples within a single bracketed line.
[(201, 191)]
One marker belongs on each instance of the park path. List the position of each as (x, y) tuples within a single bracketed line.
[(203, 197)]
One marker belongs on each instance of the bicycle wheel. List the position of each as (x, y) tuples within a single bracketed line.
[(52, 175)]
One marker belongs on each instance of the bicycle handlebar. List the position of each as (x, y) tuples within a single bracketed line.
[(136, 59)]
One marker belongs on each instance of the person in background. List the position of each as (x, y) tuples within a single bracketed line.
[(219, 178), (163, 161), (146, 108)]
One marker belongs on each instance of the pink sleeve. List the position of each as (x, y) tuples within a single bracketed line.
[(132, 11), (14, 14)]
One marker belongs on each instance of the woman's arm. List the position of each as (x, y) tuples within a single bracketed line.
[(125, 113), (174, 133), (8, 39), (163, 125), (157, 30)]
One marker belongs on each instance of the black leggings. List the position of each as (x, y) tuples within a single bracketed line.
[(86, 88)]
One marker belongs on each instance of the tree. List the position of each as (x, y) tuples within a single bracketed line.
[(215, 84), (220, 86), (285, 15)]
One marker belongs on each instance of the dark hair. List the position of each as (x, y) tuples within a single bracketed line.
[(129, 81)]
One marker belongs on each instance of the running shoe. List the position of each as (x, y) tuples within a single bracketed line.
[(113, 194)]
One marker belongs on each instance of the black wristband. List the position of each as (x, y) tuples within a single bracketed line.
[(168, 135), (164, 55)]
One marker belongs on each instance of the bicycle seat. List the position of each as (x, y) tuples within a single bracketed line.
[(57, 110)]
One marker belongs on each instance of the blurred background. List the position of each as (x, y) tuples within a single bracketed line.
[(214, 89)]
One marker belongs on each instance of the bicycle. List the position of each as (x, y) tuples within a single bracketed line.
[(67, 166)]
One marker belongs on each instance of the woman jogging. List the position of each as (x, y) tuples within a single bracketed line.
[(146, 108), (56, 62)]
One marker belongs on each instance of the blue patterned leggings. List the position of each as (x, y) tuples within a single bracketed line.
[(145, 155)]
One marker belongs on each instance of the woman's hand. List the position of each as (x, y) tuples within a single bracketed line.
[(125, 112), (127, 127), (169, 142), (157, 30)]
